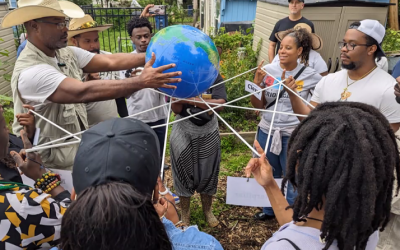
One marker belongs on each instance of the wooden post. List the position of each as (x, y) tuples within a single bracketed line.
[(394, 15)]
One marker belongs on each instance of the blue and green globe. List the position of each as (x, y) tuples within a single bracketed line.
[(194, 54)]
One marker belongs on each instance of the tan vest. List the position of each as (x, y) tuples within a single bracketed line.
[(65, 115)]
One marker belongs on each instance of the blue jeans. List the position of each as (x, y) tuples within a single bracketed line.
[(278, 163), (161, 131)]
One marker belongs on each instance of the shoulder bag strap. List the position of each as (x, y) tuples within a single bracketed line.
[(291, 243), (283, 90)]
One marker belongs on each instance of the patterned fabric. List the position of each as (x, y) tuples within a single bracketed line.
[(195, 157), (30, 219)]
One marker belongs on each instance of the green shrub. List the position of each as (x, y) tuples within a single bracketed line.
[(391, 43), (231, 65), (7, 103)]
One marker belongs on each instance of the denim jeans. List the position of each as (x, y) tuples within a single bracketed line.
[(161, 131), (278, 163)]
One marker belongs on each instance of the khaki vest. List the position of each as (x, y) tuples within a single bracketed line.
[(65, 115)]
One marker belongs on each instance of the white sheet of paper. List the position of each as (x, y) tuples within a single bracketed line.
[(250, 194), (66, 179), (251, 88)]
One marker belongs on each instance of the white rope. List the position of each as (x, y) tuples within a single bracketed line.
[(60, 139), (272, 119), (219, 105), (294, 92), (227, 80), (51, 146), (253, 109), (52, 123), (233, 130), (165, 141)]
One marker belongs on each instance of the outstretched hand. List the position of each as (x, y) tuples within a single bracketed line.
[(155, 78), (27, 120), (260, 168), (260, 74), (146, 12), (29, 163), (290, 82)]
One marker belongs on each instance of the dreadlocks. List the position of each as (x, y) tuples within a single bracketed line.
[(343, 157), (302, 39)]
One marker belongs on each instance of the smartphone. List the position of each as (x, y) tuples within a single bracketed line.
[(157, 10)]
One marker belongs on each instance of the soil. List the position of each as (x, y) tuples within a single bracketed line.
[(237, 228)]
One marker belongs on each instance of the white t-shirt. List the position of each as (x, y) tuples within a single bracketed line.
[(383, 63), (145, 99), (315, 61), (37, 83), (306, 238), (376, 89)]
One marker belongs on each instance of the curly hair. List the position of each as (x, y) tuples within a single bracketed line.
[(342, 157), (112, 216), (138, 22), (302, 39)]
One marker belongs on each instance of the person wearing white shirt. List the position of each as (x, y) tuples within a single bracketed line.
[(360, 80)]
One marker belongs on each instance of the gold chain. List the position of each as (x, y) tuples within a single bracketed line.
[(348, 85)]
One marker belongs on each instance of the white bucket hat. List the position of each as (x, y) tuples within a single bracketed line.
[(34, 9)]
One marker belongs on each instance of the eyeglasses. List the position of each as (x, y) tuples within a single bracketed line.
[(352, 45), (60, 26), (88, 25)]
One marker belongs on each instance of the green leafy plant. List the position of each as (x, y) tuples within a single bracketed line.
[(231, 65), (391, 43), (7, 103), (4, 63)]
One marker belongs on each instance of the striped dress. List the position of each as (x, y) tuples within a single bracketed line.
[(195, 157)]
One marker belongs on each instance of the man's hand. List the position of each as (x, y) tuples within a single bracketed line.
[(27, 120), (260, 74), (93, 76), (260, 168), (146, 12), (136, 72), (30, 164), (290, 82), (155, 78)]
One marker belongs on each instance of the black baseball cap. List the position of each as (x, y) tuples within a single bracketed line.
[(120, 150)]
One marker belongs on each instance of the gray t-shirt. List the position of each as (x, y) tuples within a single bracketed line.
[(306, 83)]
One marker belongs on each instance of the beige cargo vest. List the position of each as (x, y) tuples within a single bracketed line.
[(64, 115)]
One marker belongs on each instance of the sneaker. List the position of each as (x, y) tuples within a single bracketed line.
[(262, 216), (176, 197)]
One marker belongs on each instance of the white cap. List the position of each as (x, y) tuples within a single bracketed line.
[(373, 28)]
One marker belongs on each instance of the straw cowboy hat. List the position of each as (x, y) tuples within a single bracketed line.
[(85, 24), (316, 40), (34, 9)]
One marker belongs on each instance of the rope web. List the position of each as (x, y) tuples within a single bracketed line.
[(281, 86)]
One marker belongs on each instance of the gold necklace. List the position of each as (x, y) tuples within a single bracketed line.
[(346, 94)]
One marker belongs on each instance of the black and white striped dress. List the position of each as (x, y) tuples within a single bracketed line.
[(195, 157)]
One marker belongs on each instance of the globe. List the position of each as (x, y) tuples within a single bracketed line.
[(194, 54)]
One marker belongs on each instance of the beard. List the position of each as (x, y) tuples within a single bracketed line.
[(96, 51), (349, 66)]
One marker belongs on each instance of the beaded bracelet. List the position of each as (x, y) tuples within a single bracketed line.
[(48, 182)]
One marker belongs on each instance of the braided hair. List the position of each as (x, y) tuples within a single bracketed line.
[(302, 39), (342, 157)]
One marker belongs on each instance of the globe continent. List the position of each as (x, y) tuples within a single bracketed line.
[(193, 53)]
